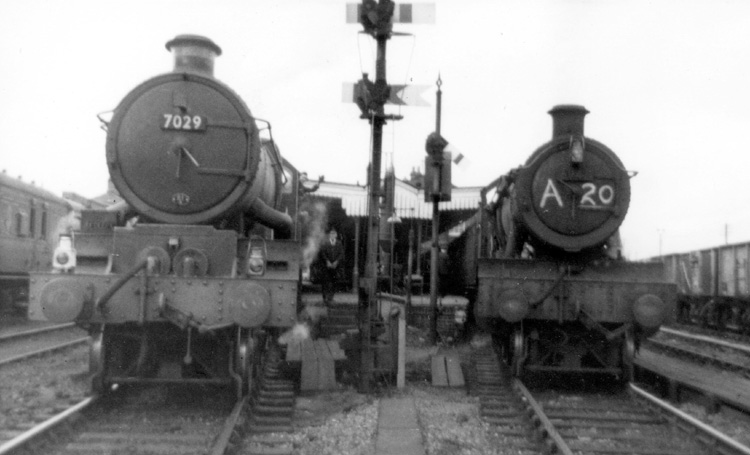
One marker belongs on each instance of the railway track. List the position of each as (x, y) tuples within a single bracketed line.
[(730, 356), (22, 330), (171, 419), (739, 346), (730, 332), (19, 346), (628, 421), (271, 411)]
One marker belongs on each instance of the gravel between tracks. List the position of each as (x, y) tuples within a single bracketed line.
[(345, 422), (43, 385), (336, 423), (339, 422)]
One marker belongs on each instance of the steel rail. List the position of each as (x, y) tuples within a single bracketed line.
[(547, 426), (43, 427), (11, 336), (711, 432), (739, 347), (224, 439), (44, 351), (705, 357)]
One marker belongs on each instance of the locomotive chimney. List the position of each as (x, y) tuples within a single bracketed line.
[(193, 54), (567, 119)]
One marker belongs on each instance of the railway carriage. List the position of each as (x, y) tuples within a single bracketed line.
[(184, 280), (713, 285), (31, 220)]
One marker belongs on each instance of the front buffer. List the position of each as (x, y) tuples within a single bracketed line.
[(173, 303), (557, 317)]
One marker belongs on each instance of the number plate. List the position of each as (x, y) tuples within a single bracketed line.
[(183, 122)]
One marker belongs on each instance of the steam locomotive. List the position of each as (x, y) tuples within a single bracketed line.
[(552, 286), (184, 280)]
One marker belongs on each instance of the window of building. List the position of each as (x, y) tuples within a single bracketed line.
[(43, 230), (19, 224), (32, 220)]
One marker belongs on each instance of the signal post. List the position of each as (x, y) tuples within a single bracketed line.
[(377, 18), (371, 98), (437, 188)]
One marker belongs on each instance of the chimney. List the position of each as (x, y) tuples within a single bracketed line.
[(567, 119), (193, 54)]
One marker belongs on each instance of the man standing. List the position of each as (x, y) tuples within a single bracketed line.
[(332, 255)]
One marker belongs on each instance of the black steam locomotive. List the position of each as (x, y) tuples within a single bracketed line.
[(552, 286), (181, 281)]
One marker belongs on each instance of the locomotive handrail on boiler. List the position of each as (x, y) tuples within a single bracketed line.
[(174, 283)]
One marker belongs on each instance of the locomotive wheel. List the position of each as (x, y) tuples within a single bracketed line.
[(519, 352), (96, 362), (628, 356)]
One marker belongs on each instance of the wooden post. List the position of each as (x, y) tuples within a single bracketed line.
[(401, 371), (355, 272)]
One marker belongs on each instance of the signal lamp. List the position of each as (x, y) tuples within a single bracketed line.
[(576, 149), (64, 257), (256, 263), (435, 145), (437, 168)]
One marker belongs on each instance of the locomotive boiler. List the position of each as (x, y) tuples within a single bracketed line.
[(182, 281), (552, 285)]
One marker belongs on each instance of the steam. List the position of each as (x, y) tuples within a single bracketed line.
[(302, 329), (67, 224), (316, 222), (299, 332)]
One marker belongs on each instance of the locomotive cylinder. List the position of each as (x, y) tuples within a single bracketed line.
[(183, 148)]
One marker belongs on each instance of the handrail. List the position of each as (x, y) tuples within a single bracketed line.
[(101, 301)]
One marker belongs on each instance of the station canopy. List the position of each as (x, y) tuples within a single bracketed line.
[(409, 200)]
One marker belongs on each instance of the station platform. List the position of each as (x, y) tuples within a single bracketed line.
[(351, 298), (724, 387), (341, 315)]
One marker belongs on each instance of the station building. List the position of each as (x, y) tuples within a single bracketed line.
[(344, 206)]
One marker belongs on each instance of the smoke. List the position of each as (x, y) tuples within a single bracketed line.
[(317, 217), (67, 224), (307, 319), (299, 332)]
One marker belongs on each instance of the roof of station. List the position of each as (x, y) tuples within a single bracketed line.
[(409, 201)]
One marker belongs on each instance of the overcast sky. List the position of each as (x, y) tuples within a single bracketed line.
[(667, 83)]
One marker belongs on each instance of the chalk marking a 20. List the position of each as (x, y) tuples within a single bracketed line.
[(605, 194)]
